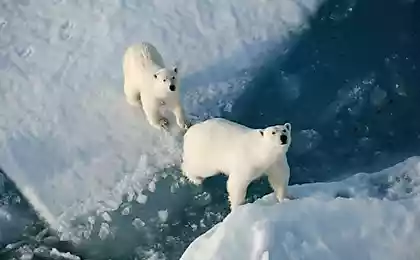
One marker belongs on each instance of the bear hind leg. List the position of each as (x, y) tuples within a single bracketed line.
[(132, 95), (237, 189), (134, 100), (194, 175)]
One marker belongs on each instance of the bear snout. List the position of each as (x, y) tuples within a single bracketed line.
[(172, 88), (283, 139)]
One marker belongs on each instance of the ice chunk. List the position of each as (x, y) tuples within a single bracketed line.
[(104, 231), (163, 215), (141, 198), (126, 211), (380, 220), (152, 186), (138, 223), (58, 255), (106, 217)]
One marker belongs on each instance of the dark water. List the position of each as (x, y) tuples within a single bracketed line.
[(350, 88), (371, 54)]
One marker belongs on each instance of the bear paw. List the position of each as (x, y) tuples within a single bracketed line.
[(164, 123)]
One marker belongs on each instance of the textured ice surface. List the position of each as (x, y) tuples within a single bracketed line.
[(367, 216), (68, 139), (14, 214)]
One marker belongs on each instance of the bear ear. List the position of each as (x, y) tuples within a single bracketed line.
[(175, 69), (261, 132), (288, 126)]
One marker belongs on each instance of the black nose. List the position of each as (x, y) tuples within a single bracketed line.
[(283, 139), (172, 87)]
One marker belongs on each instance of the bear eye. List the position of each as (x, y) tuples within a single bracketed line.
[(173, 77), (284, 131), (273, 133), (164, 80)]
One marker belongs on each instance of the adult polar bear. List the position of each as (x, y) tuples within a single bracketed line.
[(149, 84), (244, 154)]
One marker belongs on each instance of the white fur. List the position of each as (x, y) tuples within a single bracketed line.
[(147, 83), (244, 154)]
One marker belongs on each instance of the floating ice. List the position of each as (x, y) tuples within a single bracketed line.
[(138, 223), (104, 231), (142, 199), (58, 255), (163, 215)]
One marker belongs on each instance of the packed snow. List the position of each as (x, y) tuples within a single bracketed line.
[(367, 216), (68, 139)]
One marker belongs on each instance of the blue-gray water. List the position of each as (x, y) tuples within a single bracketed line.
[(350, 87)]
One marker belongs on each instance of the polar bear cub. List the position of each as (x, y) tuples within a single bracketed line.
[(243, 154), (150, 85)]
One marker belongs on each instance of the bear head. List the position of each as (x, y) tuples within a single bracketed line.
[(166, 81), (278, 136)]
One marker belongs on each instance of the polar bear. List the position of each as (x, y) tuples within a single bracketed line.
[(150, 85), (243, 154)]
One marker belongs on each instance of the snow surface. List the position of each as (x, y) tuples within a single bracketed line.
[(67, 137), (366, 216)]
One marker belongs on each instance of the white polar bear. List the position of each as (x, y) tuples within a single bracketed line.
[(244, 154), (149, 84)]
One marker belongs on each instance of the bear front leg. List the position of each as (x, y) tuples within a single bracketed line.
[(279, 180), (236, 188), (151, 111), (180, 118)]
